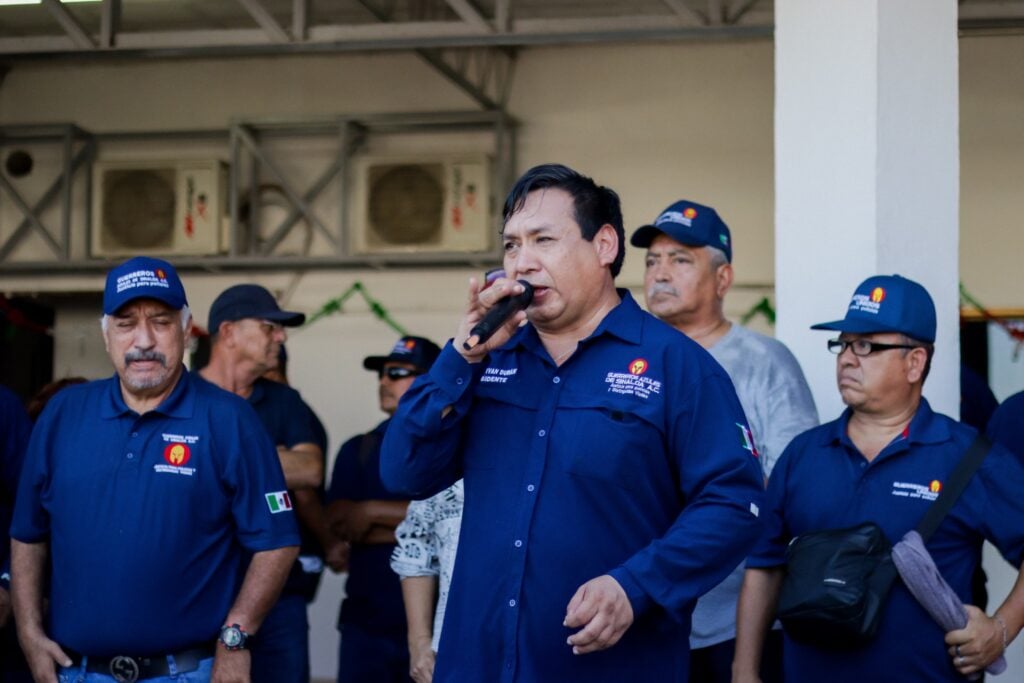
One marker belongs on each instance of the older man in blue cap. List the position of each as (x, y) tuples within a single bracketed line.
[(884, 461), (140, 493)]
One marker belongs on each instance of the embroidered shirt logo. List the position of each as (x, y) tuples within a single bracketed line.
[(498, 375), (177, 454), (633, 383), (279, 501), (638, 367), (903, 489)]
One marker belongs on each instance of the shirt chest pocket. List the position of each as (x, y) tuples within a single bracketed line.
[(499, 433), (613, 442)]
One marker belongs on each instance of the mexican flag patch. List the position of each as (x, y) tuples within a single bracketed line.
[(279, 501), (747, 439)]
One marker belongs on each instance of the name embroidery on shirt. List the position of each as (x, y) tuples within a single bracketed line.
[(903, 489), (498, 375), (633, 383), (177, 453)]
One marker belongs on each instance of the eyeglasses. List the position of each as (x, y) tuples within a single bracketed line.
[(863, 347), (395, 373)]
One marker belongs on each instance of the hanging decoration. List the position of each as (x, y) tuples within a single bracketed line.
[(763, 307), (1015, 330), (335, 306)]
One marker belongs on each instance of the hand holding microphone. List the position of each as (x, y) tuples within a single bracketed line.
[(498, 315)]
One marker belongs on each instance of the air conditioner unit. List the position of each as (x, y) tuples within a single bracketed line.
[(159, 208), (420, 205)]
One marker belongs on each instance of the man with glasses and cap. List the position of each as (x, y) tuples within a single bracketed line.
[(883, 461), (140, 495), (363, 516), (247, 330)]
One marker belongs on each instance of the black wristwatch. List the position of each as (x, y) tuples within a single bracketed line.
[(233, 637)]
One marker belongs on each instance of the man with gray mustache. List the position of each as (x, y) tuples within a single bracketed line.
[(688, 271), (139, 496)]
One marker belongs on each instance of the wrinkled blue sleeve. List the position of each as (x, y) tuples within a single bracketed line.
[(420, 454), (722, 489)]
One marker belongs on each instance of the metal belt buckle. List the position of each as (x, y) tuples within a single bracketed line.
[(124, 669)]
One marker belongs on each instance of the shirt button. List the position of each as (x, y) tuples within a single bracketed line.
[(131, 455), (135, 433), (863, 464), (519, 544), (511, 603), (556, 380), (458, 381), (529, 487), (541, 433)]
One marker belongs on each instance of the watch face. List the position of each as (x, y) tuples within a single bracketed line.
[(231, 636)]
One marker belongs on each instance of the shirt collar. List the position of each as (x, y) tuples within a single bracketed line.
[(924, 427), (625, 321), (256, 395), (178, 404)]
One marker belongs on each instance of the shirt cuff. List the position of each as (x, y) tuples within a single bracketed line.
[(638, 598)]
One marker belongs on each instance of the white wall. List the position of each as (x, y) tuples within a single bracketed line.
[(654, 122)]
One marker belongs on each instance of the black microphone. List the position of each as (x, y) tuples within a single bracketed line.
[(499, 315)]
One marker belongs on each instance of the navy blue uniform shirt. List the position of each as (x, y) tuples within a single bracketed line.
[(290, 421), (373, 592), (823, 482), (631, 459), (15, 428), (147, 516), (1007, 425)]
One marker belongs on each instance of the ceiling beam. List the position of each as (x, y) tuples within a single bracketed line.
[(71, 26), (110, 22), (503, 15), (684, 11), (381, 36), (265, 20), (300, 20), (470, 14)]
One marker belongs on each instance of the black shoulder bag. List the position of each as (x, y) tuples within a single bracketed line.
[(837, 580)]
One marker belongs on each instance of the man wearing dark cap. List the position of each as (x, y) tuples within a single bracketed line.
[(884, 461), (141, 493), (247, 329), (688, 271), (363, 514)]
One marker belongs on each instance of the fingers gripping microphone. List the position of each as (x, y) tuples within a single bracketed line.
[(499, 315)]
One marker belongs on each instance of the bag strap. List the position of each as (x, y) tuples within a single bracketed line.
[(956, 484)]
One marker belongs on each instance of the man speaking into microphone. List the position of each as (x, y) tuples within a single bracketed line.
[(610, 477)]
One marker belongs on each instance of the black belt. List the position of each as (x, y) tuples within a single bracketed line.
[(127, 669)]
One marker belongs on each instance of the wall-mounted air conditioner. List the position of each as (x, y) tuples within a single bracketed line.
[(421, 205), (169, 208)]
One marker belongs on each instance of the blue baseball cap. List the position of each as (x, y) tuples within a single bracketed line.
[(249, 301), (143, 277), (416, 351), (688, 223), (888, 303)]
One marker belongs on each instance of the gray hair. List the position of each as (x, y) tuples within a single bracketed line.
[(717, 257), (186, 319)]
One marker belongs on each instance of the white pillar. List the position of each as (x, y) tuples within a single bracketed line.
[(866, 171)]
